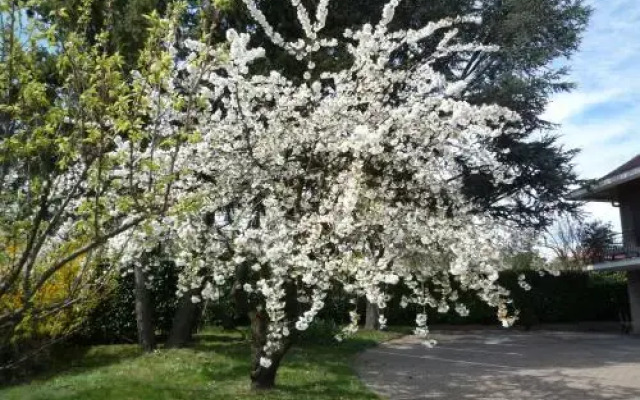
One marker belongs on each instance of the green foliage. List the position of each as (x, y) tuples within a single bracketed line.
[(113, 320), (125, 19), (321, 331), (215, 368), (596, 238), (66, 99), (226, 312), (571, 297)]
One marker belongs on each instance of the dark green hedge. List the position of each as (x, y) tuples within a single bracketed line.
[(114, 318), (570, 297)]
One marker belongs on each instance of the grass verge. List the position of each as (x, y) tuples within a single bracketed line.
[(216, 367)]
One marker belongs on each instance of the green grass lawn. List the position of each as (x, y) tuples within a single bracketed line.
[(216, 367)]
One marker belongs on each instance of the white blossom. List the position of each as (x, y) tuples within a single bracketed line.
[(265, 362), (352, 180)]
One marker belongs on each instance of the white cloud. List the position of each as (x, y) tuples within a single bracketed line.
[(567, 105), (604, 144)]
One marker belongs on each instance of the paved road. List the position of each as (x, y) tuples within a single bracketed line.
[(507, 365)]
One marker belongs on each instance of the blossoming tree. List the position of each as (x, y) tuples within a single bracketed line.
[(353, 177)]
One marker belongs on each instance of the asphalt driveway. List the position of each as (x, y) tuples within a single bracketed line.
[(506, 364)]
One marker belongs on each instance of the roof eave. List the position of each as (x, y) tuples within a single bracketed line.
[(598, 191)]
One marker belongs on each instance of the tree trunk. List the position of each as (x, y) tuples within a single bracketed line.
[(372, 316), (263, 378), (144, 313), (184, 321)]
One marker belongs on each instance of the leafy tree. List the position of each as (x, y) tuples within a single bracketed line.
[(576, 243), (67, 107), (596, 238), (124, 19)]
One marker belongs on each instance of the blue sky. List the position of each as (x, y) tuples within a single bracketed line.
[(602, 116)]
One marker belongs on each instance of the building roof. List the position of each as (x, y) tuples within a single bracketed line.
[(606, 188), (628, 166)]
